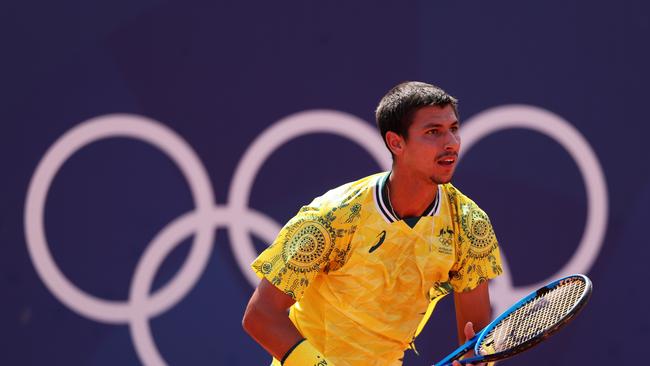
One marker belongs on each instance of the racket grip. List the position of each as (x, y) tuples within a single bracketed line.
[(465, 361), (458, 352)]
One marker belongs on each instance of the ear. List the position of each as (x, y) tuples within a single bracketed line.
[(395, 143)]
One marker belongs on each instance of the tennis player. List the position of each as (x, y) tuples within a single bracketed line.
[(361, 267)]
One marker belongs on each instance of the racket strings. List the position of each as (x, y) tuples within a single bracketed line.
[(533, 318)]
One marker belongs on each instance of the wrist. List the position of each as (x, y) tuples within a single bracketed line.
[(303, 353)]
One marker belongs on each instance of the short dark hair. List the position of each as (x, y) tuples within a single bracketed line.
[(395, 110)]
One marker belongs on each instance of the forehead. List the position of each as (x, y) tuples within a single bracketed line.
[(433, 115)]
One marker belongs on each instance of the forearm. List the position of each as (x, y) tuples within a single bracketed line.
[(275, 332), (472, 306), (266, 320), (478, 318)]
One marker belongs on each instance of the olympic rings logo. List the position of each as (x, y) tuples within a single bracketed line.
[(242, 221)]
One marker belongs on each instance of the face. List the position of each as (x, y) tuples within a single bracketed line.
[(431, 148)]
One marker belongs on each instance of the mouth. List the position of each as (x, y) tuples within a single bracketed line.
[(447, 161)]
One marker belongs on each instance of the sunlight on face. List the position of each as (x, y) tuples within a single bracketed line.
[(432, 145)]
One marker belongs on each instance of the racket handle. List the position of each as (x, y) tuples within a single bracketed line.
[(458, 352), (464, 362)]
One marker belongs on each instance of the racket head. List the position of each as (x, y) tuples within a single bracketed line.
[(534, 318)]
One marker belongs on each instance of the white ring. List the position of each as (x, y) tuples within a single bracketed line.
[(554, 126), (117, 125), (295, 125), (143, 308)]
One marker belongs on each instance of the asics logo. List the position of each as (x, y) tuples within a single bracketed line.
[(382, 237)]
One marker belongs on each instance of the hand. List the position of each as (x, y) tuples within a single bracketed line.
[(469, 333)]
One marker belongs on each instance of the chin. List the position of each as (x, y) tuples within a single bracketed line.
[(440, 180)]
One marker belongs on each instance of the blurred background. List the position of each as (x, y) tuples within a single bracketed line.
[(125, 124)]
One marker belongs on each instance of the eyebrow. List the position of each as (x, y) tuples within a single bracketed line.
[(433, 124)]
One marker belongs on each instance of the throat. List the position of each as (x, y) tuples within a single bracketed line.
[(407, 203)]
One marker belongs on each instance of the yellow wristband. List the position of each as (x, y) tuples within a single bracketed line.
[(304, 354)]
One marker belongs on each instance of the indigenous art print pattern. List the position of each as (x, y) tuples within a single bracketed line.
[(364, 281)]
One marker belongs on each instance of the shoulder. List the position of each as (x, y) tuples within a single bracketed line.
[(345, 198), (474, 223), (337, 211), (329, 223), (462, 205)]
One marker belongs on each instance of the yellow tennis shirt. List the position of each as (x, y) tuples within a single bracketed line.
[(363, 278)]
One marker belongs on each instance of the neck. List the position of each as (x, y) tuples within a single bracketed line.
[(410, 195)]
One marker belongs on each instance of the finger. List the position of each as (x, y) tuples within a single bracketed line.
[(469, 330), (456, 363)]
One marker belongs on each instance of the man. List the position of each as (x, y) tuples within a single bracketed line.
[(361, 267)]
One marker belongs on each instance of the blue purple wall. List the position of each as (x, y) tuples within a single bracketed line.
[(128, 138)]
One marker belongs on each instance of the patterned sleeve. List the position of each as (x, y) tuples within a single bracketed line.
[(477, 250), (306, 246)]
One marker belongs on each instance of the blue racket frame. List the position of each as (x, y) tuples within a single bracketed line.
[(476, 340)]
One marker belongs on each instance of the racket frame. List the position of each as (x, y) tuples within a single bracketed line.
[(476, 340)]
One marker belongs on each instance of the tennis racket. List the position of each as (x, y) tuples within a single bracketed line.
[(528, 322)]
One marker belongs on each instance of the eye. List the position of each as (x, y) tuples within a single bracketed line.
[(433, 132), (454, 129)]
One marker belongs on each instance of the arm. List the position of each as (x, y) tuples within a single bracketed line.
[(266, 320), (472, 306)]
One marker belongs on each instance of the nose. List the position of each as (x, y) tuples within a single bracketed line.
[(452, 141)]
